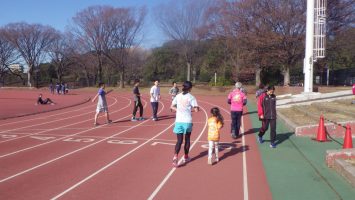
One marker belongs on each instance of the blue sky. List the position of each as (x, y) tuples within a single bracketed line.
[(58, 14)]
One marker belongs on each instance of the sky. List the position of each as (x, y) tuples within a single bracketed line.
[(59, 13)]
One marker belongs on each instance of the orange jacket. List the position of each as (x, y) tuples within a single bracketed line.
[(213, 129)]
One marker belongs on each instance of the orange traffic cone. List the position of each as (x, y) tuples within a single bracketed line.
[(321, 135), (348, 141)]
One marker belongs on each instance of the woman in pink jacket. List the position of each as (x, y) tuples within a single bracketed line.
[(237, 100)]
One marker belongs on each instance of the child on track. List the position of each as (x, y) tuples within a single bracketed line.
[(267, 115), (215, 123), (101, 103), (173, 91), (137, 102), (183, 104)]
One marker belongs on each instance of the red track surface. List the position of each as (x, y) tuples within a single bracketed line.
[(59, 154)]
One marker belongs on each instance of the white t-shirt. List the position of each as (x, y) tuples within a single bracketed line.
[(155, 93), (184, 104)]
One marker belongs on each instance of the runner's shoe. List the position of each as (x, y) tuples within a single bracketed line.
[(217, 159), (133, 119), (272, 145), (175, 161), (109, 122), (186, 159), (141, 119), (209, 161), (260, 140)]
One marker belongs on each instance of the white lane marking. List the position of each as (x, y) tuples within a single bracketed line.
[(109, 165), (70, 153), (245, 173), (160, 186), (45, 117), (49, 123), (32, 147)]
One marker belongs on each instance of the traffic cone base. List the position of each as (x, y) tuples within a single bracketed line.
[(348, 140), (321, 134)]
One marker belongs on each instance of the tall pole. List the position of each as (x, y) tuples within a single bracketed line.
[(308, 59)]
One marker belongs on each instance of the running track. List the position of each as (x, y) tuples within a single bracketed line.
[(61, 155)]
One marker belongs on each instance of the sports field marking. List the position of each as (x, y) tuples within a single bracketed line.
[(160, 186), (110, 164), (70, 153), (46, 117), (28, 148), (52, 121)]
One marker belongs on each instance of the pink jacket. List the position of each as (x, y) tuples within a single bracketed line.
[(236, 98)]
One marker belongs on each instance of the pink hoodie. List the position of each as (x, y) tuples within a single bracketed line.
[(237, 97)]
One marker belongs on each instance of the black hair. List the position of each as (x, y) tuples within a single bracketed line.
[(101, 84), (174, 82), (261, 86), (216, 113), (186, 86), (270, 87), (136, 80)]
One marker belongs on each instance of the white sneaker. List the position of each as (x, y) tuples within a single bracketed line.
[(209, 161), (217, 159)]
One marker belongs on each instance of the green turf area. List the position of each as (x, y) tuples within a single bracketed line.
[(296, 169)]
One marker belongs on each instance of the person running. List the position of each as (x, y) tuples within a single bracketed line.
[(267, 115), (215, 123), (101, 103), (154, 98), (44, 101), (137, 102), (183, 104), (237, 99)]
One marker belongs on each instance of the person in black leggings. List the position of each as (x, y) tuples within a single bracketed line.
[(44, 101), (137, 102)]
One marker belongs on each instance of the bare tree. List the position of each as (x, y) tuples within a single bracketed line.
[(123, 26), (60, 51), (8, 56), (180, 21), (31, 41)]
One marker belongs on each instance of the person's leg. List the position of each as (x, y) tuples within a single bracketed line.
[(187, 144), (95, 118), (135, 106), (140, 108), (238, 122), (178, 143), (156, 110), (107, 117), (272, 131), (234, 123), (263, 129), (210, 149), (216, 151)]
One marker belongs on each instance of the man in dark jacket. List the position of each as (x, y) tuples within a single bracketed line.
[(267, 115)]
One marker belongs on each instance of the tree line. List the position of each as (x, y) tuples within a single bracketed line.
[(240, 40)]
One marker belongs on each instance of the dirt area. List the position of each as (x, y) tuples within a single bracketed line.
[(337, 111)]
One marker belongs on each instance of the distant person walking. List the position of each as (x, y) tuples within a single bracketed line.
[(237, 99), (215, 123), (51, 87), (184, 103), (173, 91), (154, 98), (101, 103), (44, 101), (267, 115), (137, 102)]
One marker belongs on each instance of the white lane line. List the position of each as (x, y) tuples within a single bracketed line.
[(160, 186), (57, 128), (45, 117), (70, 153), (35, 146), (245, 172), (110, 164)]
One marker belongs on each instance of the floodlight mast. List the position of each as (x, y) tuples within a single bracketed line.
[(315, 39), (308, 59)]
